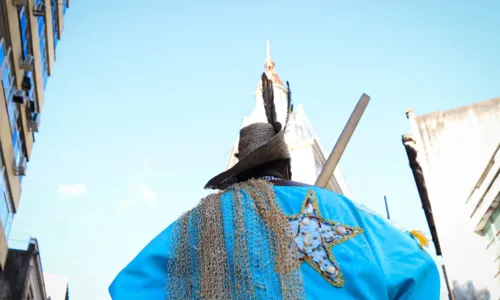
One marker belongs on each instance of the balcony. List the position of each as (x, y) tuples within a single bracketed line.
[(485, 196)]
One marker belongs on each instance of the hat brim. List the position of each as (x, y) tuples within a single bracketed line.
[(276, 149)]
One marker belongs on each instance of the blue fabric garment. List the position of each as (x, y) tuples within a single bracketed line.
[(382, 262)]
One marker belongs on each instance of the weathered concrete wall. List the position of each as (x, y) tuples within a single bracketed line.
[(457, 145), (13, 278)]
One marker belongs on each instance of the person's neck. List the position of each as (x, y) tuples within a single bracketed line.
[(262, 174), (274, 171)]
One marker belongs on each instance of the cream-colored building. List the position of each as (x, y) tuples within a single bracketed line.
[(455, 159), (29, 32), (308, 158)]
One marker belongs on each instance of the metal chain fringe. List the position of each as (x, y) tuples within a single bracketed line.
[(236, 244)]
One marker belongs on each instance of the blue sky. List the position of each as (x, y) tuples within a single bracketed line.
[(145, 102)]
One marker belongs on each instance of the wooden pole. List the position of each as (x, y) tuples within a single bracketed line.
[(342, 142)]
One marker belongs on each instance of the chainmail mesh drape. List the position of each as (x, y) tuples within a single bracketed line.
[(236, 244)]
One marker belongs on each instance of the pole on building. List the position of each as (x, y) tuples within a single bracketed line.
[(387, 208), (451, 296)]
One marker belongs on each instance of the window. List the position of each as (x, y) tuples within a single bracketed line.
[(55, 22), (491, 232), (299, 133), (6, 207), (18, 145), (25, 40), (31, 92), (319, 166), (495, 223), (2, 53), (30, 295), (23, 27), (7, 78), (27, 50), (8, 84), (488, 232), (495, 219), (20, 140), (43, 49)]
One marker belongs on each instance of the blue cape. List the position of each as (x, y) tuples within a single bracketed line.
[(374, 259)]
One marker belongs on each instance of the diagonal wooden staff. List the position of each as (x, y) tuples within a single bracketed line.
[(345, 136)]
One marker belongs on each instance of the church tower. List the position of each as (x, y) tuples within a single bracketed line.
[(308, 158)]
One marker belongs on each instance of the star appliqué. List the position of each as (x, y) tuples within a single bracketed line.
[(316, 236)]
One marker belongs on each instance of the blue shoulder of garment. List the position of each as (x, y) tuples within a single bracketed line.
[(381, 262), (374, 259), (145, 276)]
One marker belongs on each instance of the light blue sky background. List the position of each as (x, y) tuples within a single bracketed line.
[(146, 100)]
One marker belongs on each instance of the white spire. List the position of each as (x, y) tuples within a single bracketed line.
[(268, 48), (269, 66)]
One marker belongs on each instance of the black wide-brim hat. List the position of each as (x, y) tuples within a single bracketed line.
[(259, 144)]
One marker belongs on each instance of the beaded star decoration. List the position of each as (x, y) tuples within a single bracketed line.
[(315, 237)]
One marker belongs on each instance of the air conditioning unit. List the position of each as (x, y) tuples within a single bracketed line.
[(19, 97), (20, 166), (34, 122), (27, 63), (26, 84), (39, 10), (19, 2)]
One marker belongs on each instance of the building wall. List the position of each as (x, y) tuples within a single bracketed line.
[(303, 163), (28, 40), (484, 207), (22, 277), (455, 148)]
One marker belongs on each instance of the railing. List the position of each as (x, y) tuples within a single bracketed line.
[(19, 240)]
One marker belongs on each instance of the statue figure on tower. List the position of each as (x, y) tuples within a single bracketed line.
[(269, 66), (279, 89)]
